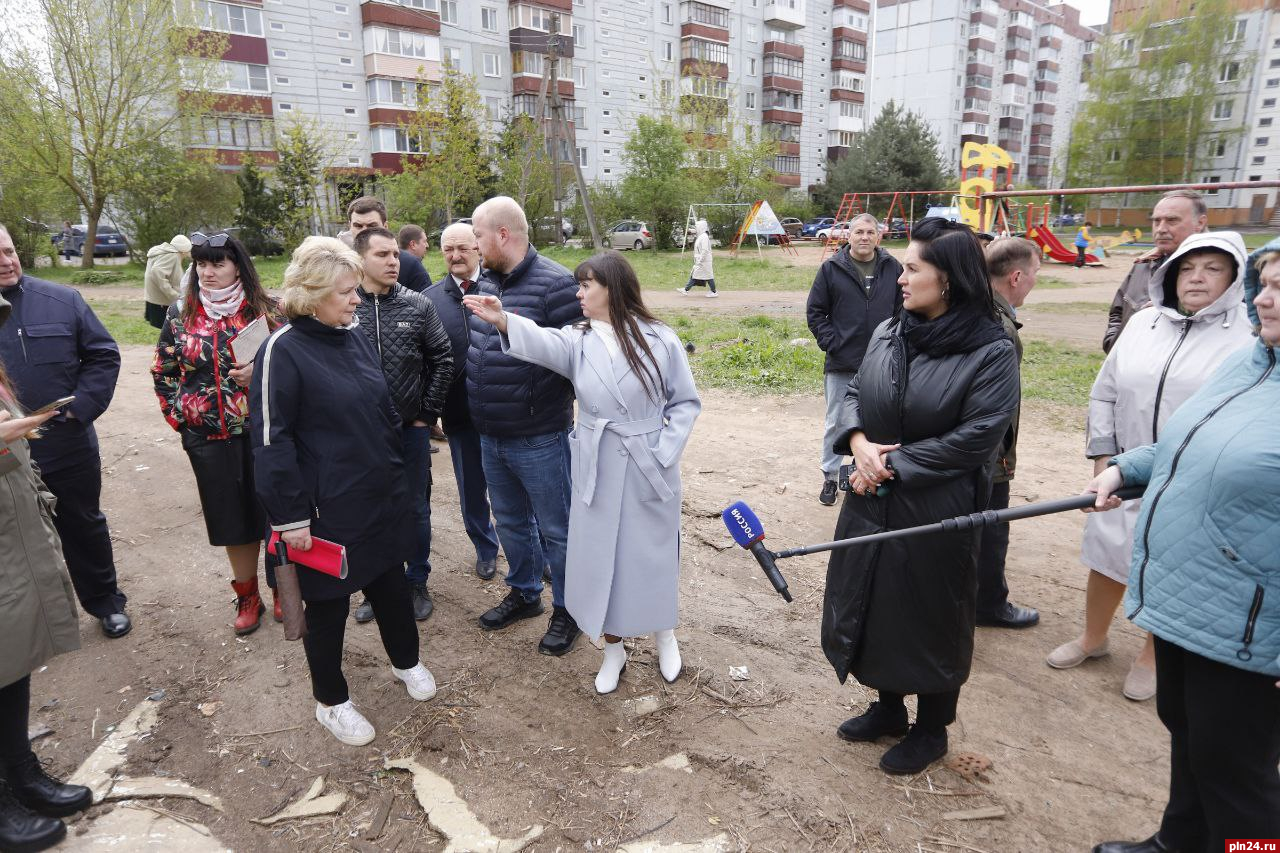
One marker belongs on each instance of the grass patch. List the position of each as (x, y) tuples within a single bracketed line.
[(1048, 282), (123, 319), (97, 276), (1058, 373), (751, 354), (658, 270), (1084, 309)]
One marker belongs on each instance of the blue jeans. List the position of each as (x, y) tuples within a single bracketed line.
[(417, 470), (473, 497), (528, 478)]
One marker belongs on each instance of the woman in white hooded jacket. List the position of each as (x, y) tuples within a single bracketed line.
[(1197, 317), (702, 272)]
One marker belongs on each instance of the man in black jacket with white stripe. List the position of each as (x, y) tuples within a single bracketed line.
[(417, 361)]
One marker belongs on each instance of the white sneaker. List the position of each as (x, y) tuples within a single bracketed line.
[(345, 723), (615, 661), (711, 294), (681, 290), (669, 662), (418, 680)]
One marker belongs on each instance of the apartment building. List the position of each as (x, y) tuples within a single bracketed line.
[(797, 69), (1006, 72)]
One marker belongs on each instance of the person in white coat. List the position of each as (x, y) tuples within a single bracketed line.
[(702, 272), (162, 281), (636, 408), (1197, 317)]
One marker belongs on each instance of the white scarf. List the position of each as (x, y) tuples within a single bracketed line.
[(608, 336), (224, 302)]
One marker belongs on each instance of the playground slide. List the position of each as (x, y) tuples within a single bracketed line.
[(1051, 245)]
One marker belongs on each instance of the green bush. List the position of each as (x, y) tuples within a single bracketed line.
[(97, 276)]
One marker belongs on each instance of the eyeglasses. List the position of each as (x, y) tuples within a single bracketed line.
[(217, 241)]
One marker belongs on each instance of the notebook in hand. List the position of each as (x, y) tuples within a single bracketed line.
[(324, 556), (244, 346)]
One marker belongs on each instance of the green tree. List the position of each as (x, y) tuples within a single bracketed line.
[(1149, 117), (523, 166), (898, 152), (452, 172), (33, 208), (107, 78), (729, 161), (302, 154), (656, 187), (259, 217), (170, 192)]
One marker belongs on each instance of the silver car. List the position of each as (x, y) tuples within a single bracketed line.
[(629, 234)]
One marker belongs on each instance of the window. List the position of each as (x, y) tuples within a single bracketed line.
[(580, 116), (1237, 32), (344, 60), (667, 52), (1218, 149), (1229, 72), (1222, 110), (394, 139), (532, 18), (428, 5), (701, 13), (751, 100), (523, 62), (242, 77), (751, 67), (1258, 161), (845, 49), (401, 43), (493, 108), (448, 11), (348, 87), (282, 81), (578, 33), (1264, 122), (352, 136), (227, 18), (453, 57), (852, 82), (784, 67), (344, 35), (1126, 45), (277, 26), (349, 111), (580, 75), (666, 13), (402, 93), (230, 132), (1275, 63), (850, 110), (1113, 156), (1273, 83), (284, 107), (706, 51), (1261, 141), (664, 88), (279, 54), (1268, 103), (753, 33), (489, 19), (786, 165), (1211, 179), (492, 65), (340, 9), (582, 157)]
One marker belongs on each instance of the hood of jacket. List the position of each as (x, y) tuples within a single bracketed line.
[(700, 227), (1225, 241), (162, 249), (1253, 280)]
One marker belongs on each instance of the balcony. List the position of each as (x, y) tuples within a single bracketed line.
[(1012, 123), (392, 15), (780, 116), (1044, 109), (692, 29), (837, 152), (974, 128), (784, 84), (788, 14), (786, 49), (856, 5), (1039, 150)]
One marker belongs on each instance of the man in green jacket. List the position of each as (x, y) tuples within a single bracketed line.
[(1012, 264)]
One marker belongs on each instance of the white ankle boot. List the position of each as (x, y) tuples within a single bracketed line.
[(615, 661), (669, 662)]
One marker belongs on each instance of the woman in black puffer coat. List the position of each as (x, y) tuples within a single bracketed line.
[(923, 420)]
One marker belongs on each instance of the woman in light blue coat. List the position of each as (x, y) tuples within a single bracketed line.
[(1205, 580), (636, 408)]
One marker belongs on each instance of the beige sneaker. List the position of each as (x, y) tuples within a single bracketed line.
[(1140, 683), (1072, 654)]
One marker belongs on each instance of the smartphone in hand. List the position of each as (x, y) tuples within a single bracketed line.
[(56, 404)]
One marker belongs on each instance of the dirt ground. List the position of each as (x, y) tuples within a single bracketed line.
[(525, 740)]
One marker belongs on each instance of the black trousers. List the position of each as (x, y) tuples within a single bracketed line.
[(993, 592), (1080, 252), (1224, 731), (934, 711), (86, 542), (327, 627), (15, 714), (699, 282)]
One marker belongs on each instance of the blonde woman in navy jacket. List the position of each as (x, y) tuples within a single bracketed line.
[(1205, 581)]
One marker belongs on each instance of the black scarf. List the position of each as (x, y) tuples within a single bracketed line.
[(959, 330)]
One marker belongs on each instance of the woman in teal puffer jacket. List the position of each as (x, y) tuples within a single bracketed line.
[(1205, 581)]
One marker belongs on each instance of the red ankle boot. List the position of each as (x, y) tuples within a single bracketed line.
[(276, 613), (249, 607)]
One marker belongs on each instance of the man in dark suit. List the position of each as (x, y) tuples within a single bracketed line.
[(462, 255), (54, 346), (413, 248)]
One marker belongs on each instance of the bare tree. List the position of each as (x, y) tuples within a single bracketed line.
[(107, 77)]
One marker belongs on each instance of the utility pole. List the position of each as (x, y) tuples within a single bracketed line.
[(559, 130)]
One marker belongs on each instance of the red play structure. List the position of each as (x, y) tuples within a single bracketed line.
[(1040, 234)]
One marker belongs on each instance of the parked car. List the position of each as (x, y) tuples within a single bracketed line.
[(951, 213), (894, 229), (544, 228), (811, 228), (838, 231), (628, 234), (108, 241), (1067, 219)]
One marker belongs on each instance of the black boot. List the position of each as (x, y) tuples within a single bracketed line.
[(1151, 845), (876, 722), (41, 793), (915, 752), (23, 831)]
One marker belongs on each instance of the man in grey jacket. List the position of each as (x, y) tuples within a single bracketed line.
[(1178, 215)]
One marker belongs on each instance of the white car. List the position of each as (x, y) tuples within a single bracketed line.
[(839, 231)]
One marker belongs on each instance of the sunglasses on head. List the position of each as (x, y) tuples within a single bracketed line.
[(217, 241)]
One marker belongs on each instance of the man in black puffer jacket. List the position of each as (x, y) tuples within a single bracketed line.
[(417, 361), (855, 290), (522, 413)]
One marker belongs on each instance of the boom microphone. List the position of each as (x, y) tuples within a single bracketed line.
[(748, 532)]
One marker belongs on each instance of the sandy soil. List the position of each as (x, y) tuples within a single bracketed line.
[(523, 737)]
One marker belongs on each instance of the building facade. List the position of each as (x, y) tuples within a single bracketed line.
[(1006, 72), (799, 70)]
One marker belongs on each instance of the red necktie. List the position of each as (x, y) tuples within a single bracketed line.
[(466, 285)]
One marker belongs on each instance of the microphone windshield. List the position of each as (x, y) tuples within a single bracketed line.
[(743, 525)]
